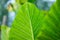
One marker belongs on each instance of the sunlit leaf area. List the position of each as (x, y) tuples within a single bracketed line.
[(29, 19)]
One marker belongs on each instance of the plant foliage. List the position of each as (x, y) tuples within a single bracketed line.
[(33, 24)]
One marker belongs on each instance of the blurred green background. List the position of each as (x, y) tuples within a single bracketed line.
[(41, 4)]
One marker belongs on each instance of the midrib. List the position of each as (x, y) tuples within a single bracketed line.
[(30, 23), (31, 30)]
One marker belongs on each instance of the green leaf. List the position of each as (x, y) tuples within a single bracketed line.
[(4, 35), (28, 26), (33, 24), (51, 24)]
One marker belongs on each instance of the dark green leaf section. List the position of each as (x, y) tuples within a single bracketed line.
[(32, 1), (51, 24)]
